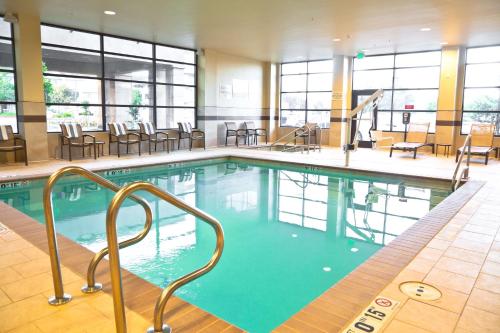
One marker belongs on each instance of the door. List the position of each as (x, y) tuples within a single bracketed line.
[(368, 119)]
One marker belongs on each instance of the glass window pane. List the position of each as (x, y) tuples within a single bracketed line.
[(72, 38), (375, 62), (126, 68), (385, 103), (485, 99), (169, 117), (416, 117), (482, 75), (426, 77), (64, 90), (175, 73), (8, 116), (415, 100), (293, 83), (376, 79), (293, 101), (5, 29), (483, 54), (128, 93), (71, 62), (6, 56), (324, 66), (319, 100), (384, 121), (175, 95), (320, 82), (90, 117), (131, 116), (125, 46), (293, 118), (418, 59), (294, 68), (322, 118), (175, 54), (470, 118), (7, 87)]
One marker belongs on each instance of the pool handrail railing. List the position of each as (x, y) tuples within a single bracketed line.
[(464, 174)]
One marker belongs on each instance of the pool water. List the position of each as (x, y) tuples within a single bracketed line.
[(290, 232)]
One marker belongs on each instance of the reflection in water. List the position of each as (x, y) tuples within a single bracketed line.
[(285, 230)]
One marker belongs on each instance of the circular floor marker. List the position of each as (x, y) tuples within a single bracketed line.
[(420, 291)]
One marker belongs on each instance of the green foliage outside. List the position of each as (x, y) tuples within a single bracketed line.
[(136, 102), (7, 88), (486, 103)]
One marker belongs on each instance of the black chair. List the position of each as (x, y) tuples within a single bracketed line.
[(18, 143), (119, 133), (193, 134), (148, 133), (233, 130), (72, 136), (254, 133)]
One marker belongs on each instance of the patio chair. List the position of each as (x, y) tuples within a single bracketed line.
[(481, 141), (415, 139), (233, 130), (310, 133), (119, 133), (149, 133), (379, 140), (12, 143), (72, 136), (193, 134), (254, 133)]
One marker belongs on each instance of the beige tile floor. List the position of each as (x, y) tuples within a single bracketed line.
[(463, 260)]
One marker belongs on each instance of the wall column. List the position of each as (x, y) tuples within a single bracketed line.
[(450, 96), (341, 99), (31, 104)]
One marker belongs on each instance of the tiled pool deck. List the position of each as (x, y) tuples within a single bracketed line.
[(460, 257)]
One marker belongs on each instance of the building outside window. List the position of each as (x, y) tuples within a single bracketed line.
[(96, 79), (481, 102), (410, 82), (306, 93), (8, 94)]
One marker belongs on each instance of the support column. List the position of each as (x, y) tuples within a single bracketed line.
[(31, 104), (450, 96), (341, 99)]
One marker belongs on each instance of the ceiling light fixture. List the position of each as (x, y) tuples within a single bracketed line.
[(336, 39), (109, 12), (425, 29), (444, 43)]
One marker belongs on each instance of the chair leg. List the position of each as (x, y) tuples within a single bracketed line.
[(139, 144), (95, 152), (69, 151), (83, 151), (190, 144), (25, 155), (226, 140), (118, 147), (204, 145), (415, 154), (179, 143), (456, 156), (127, 147), (149, 145), (486, 159), (390, 153), (62, 148)]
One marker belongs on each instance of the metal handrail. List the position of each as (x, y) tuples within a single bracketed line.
[(114, 257), (305, 129), (60, 297), (455, 181)]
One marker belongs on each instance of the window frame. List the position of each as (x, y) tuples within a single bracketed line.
[(306, 92), (394, 68), (481, 87), (102, 78), (14, 72)]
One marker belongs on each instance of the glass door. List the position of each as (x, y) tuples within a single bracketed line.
[(367, 119)]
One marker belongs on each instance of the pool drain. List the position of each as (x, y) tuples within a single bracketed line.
[(420, 291)]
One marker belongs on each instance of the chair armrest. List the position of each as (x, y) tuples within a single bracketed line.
[(197, 131), (162, 132), (133, 134), (241, 130), (16, 138)]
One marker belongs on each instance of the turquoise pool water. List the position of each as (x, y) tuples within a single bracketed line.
[(291, 232)]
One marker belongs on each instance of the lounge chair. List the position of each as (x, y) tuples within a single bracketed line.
[(254, 133), (17, 143), (149, 133), (415, 139), (379, 140), (233, 130), (193, 134), (119, 133), (311, 133), (72, 136), (481, 141)]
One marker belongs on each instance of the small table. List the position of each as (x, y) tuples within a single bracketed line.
[(446, 146), (99, 147)]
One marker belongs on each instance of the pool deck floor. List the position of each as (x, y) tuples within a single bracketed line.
[(460, 256)]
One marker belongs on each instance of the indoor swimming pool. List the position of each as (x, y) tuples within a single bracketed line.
[(291, 231)]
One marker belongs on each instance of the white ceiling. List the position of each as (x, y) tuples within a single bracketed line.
[(282, 30)]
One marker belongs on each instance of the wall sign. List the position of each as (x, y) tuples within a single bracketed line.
[(374, 317)]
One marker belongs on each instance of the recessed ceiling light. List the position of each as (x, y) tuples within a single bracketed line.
[(425, 29), (109, 12), (336, 39), (444, 43)]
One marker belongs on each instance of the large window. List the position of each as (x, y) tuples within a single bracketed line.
[(306, 93), (481, 103), (410, 82), (96, 79), (8, 96)]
